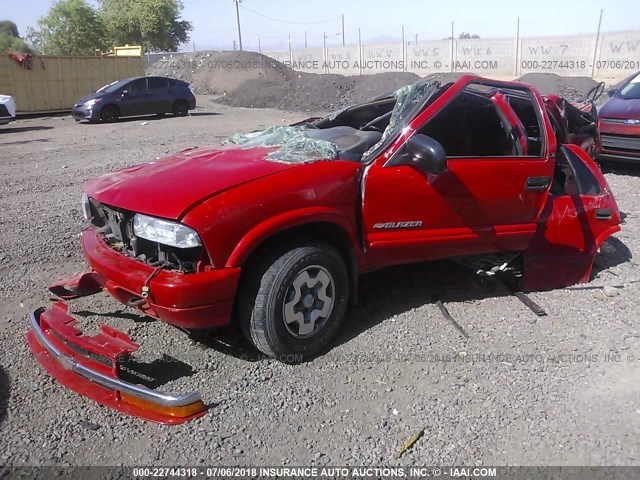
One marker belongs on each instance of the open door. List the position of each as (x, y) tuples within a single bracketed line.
[(580, 214)]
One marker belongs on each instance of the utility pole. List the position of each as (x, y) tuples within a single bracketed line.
[(416, 39), (305, 39), (595, 50), (343, 29), (238, 18), (259, 46)]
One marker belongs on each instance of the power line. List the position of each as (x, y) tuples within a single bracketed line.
[(288, 21)]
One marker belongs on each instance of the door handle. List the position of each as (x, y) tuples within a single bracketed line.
[(604, 214), (538, 184)]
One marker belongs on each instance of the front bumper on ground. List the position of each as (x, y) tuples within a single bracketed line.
[(91, 366)]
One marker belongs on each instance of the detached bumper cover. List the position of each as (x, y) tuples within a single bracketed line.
[(90, 365)]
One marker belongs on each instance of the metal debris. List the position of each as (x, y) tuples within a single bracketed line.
[(533, 306), (452, 320)]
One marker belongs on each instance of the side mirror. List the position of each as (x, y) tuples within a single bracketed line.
[(612, 91), (426, 154), (124, 93)]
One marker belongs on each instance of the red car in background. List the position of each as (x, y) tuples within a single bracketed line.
[(619, 123)]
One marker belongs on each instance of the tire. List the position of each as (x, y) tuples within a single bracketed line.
[(181, 108), (291, 304), (109, 114)]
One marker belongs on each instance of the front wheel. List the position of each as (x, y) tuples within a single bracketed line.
[(181, 108), (291, 305), (110, 114)]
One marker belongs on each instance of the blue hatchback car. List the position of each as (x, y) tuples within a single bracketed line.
[(136, 96)]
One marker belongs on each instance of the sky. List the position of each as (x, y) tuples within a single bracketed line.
[(380, 21)]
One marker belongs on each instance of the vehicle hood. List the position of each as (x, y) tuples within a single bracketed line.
[(171, 186), (90, 97), (620, 108)]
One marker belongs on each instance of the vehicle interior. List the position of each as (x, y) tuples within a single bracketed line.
[(355, 129), (471, 125)]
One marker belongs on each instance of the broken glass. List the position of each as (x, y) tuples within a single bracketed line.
[(408, 97), (294, 145)]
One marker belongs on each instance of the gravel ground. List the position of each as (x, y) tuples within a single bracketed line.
[(561, 389)]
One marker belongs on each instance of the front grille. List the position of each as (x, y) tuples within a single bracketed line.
[(626, 143), (116, 226), (614, 121)]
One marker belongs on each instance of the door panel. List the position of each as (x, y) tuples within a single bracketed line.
[(487, 200), (477, 205), (580, 214), (135, 102)]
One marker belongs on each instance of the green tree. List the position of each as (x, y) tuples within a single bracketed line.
[(10, 40), (9, 28), (155, 24), (72, 27)]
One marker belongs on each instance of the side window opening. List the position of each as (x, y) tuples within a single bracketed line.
[(524, 109), (470, 126), (157, 83), (572, 176), (138, 86)]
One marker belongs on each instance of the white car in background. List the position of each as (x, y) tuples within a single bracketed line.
[(7, 109)]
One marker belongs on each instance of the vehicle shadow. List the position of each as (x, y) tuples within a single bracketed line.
[(629, 169), (203, 114), (37, 128), (135, 317), (5, 393), (396, 290), (612, 253), (23, 142), (155, 373)]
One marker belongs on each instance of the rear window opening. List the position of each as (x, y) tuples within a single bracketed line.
[(572, 176)]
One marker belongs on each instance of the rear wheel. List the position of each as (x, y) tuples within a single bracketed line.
[(181, 108), (292, 304), (110, 114)]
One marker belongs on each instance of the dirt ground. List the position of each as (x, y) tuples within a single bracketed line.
[(557, 390)]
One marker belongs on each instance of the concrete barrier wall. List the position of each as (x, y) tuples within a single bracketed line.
[(608, 57)]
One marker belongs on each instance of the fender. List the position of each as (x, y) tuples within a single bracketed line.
[(283, 221)]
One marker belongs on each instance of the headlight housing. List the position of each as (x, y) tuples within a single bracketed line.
[(86, 207), (92, 102), (169, 233)]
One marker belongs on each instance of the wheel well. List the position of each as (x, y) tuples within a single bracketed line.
[(312, 232), (111, 105)]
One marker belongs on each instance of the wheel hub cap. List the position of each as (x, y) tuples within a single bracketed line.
[(309, 301)]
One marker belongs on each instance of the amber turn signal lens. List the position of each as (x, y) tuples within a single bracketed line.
[(179, 412)]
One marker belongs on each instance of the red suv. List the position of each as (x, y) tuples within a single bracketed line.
[(273, 228)]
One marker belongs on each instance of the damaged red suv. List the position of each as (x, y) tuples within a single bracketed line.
[(273, 228)]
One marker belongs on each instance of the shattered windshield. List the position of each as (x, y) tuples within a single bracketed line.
[(294, 145), (408, 98), (297, 145)]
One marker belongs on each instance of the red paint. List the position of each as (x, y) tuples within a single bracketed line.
[(236, 200)]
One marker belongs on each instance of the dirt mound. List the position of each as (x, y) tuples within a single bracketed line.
[(570, 88), (218, 73), (371, 86), (302, 92), (249, 79)]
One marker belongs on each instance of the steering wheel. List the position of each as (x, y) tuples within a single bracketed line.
[(372, 124)]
